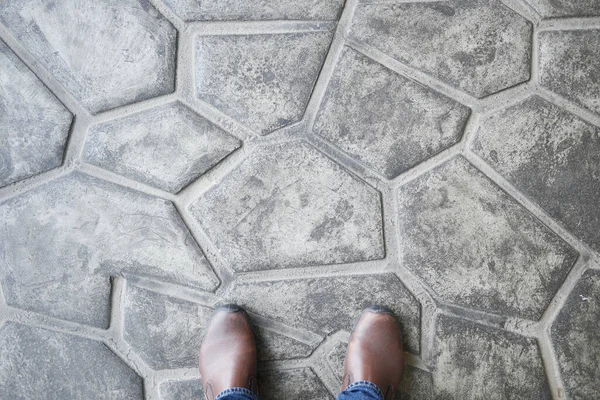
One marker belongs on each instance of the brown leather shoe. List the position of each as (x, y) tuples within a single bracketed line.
[(375, 351), (228, 352)]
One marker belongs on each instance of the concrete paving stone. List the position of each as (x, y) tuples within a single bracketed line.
[(568, 65), (550, 155), (167, 147), (288, 205), (327, 305), (298, 384), (60, 242), (36, 363), (475, 246), (386, 121), (256, 79), (566, 8), (167, 332), (417, 384), (474, 361), (576, 338), (131, 59), (242, 10), (479, 46), (34, 125), (182, 390)]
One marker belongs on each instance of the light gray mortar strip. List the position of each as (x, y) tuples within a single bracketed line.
[(112, 177), (301, 335), (569, 106), (51, 83), (134, 361), (177, 374), (427, 165), (551, 367), (535, 58), (505, 98), (524, 9), (166, 12), (117, 308), (390, 233), (76, 139), (290, 133), (412, 73), (583, 249), (471, 127), (25, 185), (134, 108), (197, 296), (335, 50), (206, 28), (280, 365), (569, 24)]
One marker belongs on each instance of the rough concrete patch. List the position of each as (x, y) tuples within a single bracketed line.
[(182, 390), (566, 8), (300, 384)]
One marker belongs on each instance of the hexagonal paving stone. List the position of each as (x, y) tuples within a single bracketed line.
[(386, 121), (62, 240), (34, 125), (576, 338), (478, 362), (475, 246), (416, 383), (289, 206), (566, 8), (131, 59), (479, 46), (167, 147), (550, 155), (182, 390), (41, 364), (326, 305), (156, 325), (256, 79), (300, 384), (569, 62), (196, 10)]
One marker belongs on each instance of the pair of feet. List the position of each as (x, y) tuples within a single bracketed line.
[(228, 355)]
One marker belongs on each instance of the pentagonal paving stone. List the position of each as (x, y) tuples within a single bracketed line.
[(300, 384), (475, 246), (479, 46), (182, 390), (386, 121), (326, 305), (569, 62), (576, 338), (417, 384), (167, 147), (166, 332), (478, 362), (131, 58), (61, 241), (566, 8), (256, 79), (550, 155), (36, 363), (34, 125), (289, 206), (196, 10)]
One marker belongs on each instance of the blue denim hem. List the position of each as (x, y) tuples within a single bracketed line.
[(237, 393), (361, 390)]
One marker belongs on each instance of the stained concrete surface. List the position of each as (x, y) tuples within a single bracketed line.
[(304, 159)]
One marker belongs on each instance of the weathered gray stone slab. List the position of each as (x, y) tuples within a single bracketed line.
[(576, 338), (182, 390), (34, 125), (263, 81), (167, 147), (289, 206), (550, 155), (478, 362), (36, 363), (388, 122), (416, 383), (566, 8), (60, 242), (300, 384), (196, 10), (131, 58), (479, 46), (167, 332), (326, 305), (475, 246), (569, 62)]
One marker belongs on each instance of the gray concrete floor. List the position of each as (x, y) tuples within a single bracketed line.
[(304, 159)]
